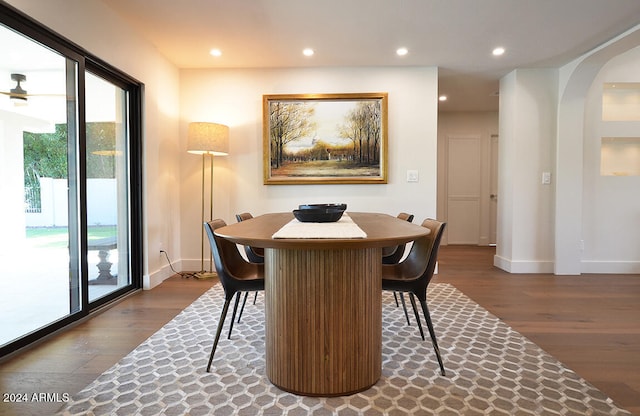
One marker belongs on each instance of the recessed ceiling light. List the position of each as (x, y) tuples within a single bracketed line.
[(442, 98), (402, 51), (498, 51), (215, 52), (308, 52)]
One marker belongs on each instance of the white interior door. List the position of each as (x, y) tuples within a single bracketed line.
[(464, 183)]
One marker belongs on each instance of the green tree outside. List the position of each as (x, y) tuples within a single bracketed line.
[(45, 156)]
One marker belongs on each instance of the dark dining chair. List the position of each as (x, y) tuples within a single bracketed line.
[(255, 255), (393, 255), (235, 273), (414, 273)]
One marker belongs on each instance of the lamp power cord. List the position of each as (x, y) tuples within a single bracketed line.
[(182, 274)]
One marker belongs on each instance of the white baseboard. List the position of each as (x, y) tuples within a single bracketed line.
[(587, 266), (610, 267), (519, 266), (152, 280)]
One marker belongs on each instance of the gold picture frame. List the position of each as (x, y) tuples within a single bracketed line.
[(325, 138)]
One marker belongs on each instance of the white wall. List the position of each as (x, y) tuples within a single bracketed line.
[(611, 213), (574, 190), (234, 98), (93, 26), (550, 121), (528, 108)]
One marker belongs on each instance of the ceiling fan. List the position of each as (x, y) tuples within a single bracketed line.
[(18, 94)]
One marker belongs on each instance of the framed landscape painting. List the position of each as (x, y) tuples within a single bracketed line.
[(325, 138)]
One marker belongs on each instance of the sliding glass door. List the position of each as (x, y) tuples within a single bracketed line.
[(37, 181), (107, 186), (69, 165)]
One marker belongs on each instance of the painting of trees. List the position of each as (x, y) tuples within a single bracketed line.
[(289, 121), (363, 128), (329, 138)]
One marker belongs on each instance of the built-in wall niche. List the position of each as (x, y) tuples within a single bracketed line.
[(621, 101), (620, 156)]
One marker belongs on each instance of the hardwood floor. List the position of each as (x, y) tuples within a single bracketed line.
[(68, 362), (591, 323)]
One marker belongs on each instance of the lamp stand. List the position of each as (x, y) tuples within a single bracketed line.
[(207, 139), (204, 274)]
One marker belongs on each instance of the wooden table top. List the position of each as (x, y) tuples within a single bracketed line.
[(382, 230)]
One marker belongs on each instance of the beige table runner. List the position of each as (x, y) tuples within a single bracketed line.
[(343, 228)]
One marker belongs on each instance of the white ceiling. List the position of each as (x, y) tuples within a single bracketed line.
[(455, 35)]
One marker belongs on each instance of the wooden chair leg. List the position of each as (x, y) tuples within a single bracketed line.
[(427, 316), (223, 315)]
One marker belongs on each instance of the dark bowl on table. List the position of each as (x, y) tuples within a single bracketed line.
[(342, 207), (318, 214)]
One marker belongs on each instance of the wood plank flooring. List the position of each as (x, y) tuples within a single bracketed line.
[(68, 362), (591, 323)]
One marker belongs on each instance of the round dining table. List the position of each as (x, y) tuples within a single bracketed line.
[(323, 301)]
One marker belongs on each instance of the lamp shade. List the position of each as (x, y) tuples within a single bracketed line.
[(211, 138)]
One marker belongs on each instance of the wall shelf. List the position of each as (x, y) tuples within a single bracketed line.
[(620, 154), (621, 101)]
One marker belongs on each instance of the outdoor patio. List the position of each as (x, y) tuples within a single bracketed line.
[(37, 276)]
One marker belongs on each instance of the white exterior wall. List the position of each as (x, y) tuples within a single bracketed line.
[(101, 203), (12, 218)]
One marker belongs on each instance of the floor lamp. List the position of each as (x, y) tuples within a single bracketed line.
[(208, 140)]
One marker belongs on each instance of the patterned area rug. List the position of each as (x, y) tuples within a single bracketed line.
[(491, 370)]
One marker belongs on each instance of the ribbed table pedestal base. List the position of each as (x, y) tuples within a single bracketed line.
[(323, 320)]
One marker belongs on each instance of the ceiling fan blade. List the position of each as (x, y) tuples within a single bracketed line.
[(19, 93), (46, 95), (13, 94)]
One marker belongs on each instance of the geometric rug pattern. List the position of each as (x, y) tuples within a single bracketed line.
[(491, 370)]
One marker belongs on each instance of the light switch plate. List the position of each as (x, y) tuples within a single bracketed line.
[(412, 176)]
